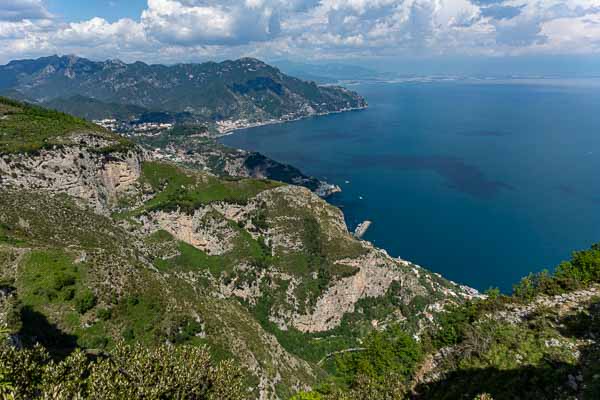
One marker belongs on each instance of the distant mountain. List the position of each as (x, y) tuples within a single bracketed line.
[(241, 89), (327, 73)]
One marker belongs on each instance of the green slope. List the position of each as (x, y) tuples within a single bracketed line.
[(29, 128)]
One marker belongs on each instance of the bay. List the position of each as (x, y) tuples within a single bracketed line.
[(482, 182)]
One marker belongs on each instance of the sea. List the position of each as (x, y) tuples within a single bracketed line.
[(482, 181)]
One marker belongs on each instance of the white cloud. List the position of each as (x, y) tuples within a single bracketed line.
[(173, 22), (18, 10), (581, 34), (184, 30)]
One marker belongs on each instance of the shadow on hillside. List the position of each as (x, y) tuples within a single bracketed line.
[(584, 324), (527, 383), (37, 329), (549, 380)]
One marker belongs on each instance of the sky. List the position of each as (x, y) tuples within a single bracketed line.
[(412, 35)]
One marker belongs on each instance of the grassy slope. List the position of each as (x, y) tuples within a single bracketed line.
[(86, 282), (177, 188), (313, 265), (28, 128)]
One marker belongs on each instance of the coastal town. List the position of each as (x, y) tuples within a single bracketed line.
[(134, 128), (224, 127)]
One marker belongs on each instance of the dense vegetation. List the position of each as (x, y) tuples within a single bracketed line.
[(126, 372)]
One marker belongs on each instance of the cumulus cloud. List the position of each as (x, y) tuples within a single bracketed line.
[(18, 10), (194, 29), (201, 22)]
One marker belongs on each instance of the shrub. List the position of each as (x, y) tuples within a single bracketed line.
[(307, 396), (104, 314), (127, 372), (62, 280), (128, 334), (6, 387), (85, 301), (392, 353), (454, 324), (68, 293), (584, 266), (583, 269)]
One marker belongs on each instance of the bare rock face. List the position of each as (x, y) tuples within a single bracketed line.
[(376, 272), (206, 229), (95, 177)]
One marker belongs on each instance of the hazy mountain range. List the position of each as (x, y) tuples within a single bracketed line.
[(240, 89)]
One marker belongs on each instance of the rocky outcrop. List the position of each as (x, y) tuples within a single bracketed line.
[(548, 319), (286, 208), (376, 272), (294, 203), (206, 229), (82, 170), (561, 304)]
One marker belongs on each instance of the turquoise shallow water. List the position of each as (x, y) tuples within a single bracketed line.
[(481, 182)]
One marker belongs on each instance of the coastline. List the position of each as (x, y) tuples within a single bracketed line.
[(230, 131), (325, 188)]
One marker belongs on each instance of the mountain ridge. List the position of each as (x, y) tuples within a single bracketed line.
[(244, 89)]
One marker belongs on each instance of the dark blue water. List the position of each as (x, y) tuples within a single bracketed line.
[(482, 183)]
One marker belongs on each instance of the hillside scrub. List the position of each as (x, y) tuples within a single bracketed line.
[(126, 372), (500, 347)]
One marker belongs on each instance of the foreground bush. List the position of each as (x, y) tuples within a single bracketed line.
[(127, 372)]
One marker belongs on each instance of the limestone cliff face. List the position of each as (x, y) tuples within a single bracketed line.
[(81, 170), (100, 179), (203, 230), (376, 272), (285, 210)]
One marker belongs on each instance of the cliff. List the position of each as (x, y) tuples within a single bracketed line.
[(102, 243)]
